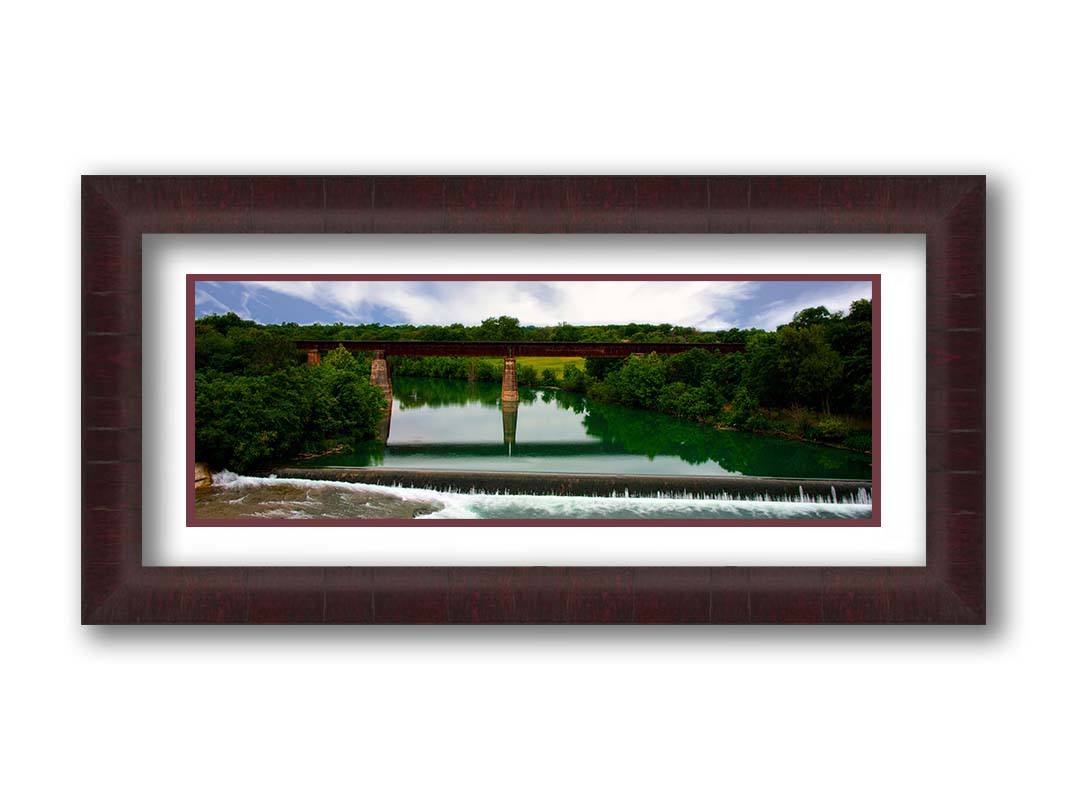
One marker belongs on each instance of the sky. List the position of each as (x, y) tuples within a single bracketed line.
[(705, 305)]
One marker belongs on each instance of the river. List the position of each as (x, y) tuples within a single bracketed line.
[(461, 426)]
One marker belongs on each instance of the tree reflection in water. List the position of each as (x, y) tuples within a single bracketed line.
[(609, 432)]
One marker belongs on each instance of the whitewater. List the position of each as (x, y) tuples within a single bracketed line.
[(235, 496)]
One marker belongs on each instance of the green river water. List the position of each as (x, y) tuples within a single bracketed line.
[(456, 425)]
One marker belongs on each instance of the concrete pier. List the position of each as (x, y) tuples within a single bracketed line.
[(379, 375), (509, 389), (313, 358)]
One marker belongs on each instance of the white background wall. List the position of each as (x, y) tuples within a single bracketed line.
[(549, 87)]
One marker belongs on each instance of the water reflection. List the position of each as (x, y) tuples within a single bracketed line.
[(443, 424), (509, 410)]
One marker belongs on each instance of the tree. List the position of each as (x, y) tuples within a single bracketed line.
[(809, 365), (565, 332), (639, 381), (574, 379), (500, 329), (526, 375), (808, 317), (689, 367), (598, 368), (860, 311)]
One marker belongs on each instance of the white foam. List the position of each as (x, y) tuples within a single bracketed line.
[(478, 505)]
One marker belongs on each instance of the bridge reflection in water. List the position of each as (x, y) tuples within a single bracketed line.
[(433, 393), (461, 425)]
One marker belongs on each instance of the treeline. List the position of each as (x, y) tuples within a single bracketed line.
[(469, 369), (499, 329)]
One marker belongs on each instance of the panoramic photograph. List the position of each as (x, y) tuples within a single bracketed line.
[(550, 399)]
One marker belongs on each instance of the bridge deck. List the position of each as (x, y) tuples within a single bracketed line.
[(519, 349)]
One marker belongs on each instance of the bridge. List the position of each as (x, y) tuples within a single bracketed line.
[(509, 351)]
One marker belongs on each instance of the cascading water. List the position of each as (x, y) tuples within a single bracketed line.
[(236, 496)]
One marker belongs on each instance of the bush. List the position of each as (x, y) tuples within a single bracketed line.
[(758, 423), (741, 408), (713, 398), (526, 376), (548, 377), (640, 381), (831, 429), (574, 379), (599, 368), (858, 441), (684, 401), (487, 372)]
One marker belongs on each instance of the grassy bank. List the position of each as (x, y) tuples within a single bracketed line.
[(555, 363)]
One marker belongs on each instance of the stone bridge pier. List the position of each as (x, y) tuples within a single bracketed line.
[(509, 388), (379, 375)]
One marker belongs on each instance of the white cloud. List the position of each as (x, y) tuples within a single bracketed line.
[(210, 301), (702, 304)]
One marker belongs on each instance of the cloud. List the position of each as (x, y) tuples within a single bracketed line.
[(706, 305), (835, 298), (209, 302), (701, 304)]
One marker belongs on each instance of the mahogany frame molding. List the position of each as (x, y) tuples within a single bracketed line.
[(118, 210)]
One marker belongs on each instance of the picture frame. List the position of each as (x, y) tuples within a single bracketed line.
[(118, 210)]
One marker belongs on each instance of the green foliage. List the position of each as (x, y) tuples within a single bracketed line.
[(688, 402), (831, 429), (548, 377), (566, 333), (809, 317), (742, 407), (598, 368), (639, 381), (243, 422), (858, 441), (230, 344), (488, 371), (574, 378), (255, 406), (861, 311), (690, 367), (526, 376), (431, 367), (499, 329), (726, 372)]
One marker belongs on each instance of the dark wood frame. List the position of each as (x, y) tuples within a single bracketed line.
[(117, 210)]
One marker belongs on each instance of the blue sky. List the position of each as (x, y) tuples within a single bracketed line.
[(706, 305)]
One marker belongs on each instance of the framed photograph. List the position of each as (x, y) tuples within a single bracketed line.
[(680, 399)]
